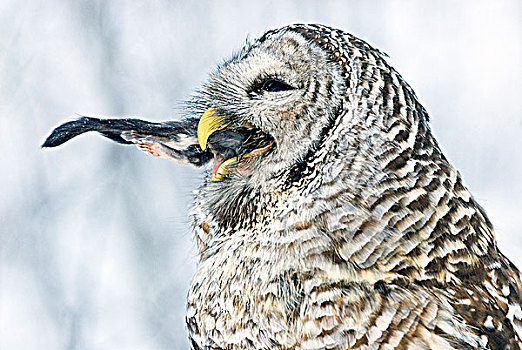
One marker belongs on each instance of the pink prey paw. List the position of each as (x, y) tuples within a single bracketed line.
[(148, 146)]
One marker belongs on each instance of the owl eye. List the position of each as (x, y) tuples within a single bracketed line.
[(273, 85)]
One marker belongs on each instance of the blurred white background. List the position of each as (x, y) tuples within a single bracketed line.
[(95, 247)]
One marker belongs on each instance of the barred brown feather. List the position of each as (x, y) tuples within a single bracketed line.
[(366, 239)]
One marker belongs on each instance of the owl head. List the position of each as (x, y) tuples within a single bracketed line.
[(274, 102), (280, 98)]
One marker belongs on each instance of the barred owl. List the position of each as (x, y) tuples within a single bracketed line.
[(329, 217)]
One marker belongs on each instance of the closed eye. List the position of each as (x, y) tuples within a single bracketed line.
[(273, 85)]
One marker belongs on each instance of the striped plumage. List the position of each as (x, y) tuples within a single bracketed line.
[(347, 228), (370, 241)]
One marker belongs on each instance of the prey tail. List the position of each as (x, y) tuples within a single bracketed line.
[(111, 128), (114, 129)]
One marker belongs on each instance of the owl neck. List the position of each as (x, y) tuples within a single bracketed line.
[(399, 206)]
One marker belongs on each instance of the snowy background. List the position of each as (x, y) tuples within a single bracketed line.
[(95, 251)]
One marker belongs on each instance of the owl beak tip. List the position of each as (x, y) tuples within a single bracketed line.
[(209, 123), (223, 168)]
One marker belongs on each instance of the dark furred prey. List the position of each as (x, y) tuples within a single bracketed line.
[(171, 140)]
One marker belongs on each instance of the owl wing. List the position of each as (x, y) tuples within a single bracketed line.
[(489, 301)]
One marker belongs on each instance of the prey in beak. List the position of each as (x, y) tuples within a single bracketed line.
[(233, 147)]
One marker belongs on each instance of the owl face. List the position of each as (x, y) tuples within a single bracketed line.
[(268, 106)]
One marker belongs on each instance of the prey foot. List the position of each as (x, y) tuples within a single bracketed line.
[(155, 149)]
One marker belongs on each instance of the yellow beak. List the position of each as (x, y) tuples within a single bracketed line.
[(209, 123), (224, 169)]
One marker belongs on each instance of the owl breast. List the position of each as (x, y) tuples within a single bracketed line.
[(267, 289), (281, 284), (290, 282)]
